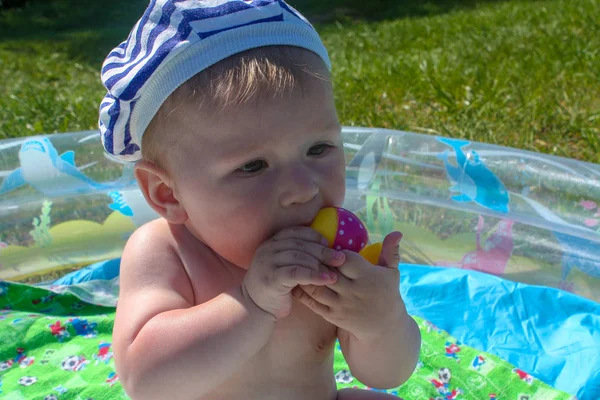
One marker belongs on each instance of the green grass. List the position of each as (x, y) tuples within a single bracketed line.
[(523, 74)]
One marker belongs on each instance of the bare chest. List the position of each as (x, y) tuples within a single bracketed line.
[(296, 363), (298, 355)]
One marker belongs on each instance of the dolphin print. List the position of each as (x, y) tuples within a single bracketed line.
[(43, 169), (472, 179)]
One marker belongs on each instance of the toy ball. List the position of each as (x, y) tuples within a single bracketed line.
[(345, 231)]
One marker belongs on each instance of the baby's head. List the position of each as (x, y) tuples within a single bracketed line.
[(259, 79), (235, 138)]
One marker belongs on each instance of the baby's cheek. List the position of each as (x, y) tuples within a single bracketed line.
[(238, 249), (245, 234), (335, 173), (245, 253)]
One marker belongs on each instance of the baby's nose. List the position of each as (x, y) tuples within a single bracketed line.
[(299, 187)]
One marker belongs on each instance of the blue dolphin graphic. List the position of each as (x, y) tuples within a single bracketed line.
[(472, 179), (119, 204), (43, 169)]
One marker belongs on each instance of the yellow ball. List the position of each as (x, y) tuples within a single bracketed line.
[(371, 252), (326, 223)]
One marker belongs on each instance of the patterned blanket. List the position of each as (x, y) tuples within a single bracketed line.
[(55, 343)]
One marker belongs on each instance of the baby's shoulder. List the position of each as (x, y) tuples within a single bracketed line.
[(150, 244), (151, 259), (163, 255), (159, 238), (153, 235)]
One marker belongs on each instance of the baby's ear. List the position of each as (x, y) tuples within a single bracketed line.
[(158, 190)]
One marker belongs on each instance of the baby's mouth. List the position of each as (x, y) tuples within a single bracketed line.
[(309, 223), (306, 221)]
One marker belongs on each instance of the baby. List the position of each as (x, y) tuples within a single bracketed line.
[(227, 108)]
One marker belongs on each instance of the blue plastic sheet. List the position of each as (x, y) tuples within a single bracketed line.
[(104, 270), (551, 334)]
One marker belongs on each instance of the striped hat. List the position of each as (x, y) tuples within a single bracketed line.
[(172, 42)]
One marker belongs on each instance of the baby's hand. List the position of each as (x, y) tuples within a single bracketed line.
[(365, 297), (294, 256)]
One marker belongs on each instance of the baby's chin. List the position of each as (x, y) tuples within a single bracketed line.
[(227, 251), (232, 254), (242, 261)]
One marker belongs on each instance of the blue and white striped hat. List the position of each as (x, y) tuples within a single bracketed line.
[(172, 42)]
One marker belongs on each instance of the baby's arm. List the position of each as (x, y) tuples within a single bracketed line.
[(387, 360), (384, 351), (165, 346)]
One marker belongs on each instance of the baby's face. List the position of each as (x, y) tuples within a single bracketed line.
[(254, 170)]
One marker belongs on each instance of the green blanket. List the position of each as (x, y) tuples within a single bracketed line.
[(56, 344)]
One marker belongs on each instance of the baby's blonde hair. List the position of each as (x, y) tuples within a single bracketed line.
[(253, 75)]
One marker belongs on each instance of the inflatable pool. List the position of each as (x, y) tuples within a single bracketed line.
[(500, 258)]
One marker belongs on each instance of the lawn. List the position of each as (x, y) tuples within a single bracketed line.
[(523, 74)]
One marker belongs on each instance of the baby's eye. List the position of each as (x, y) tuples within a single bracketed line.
[(319, 149), (253, 167)]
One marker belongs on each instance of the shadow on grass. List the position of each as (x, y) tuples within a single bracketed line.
[(87, 30), (320, 11)]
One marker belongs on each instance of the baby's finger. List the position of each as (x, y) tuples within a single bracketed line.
[(296, 257), (310, 302), (390, 252), (322, 294), (292, 247), (293, 275), (300, 232)]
